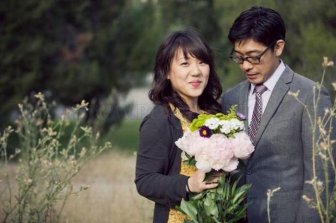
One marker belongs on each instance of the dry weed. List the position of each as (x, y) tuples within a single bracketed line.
[(112, 196)]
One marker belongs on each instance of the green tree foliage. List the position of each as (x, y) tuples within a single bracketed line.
[(310, 30), (24, 41), (311, 35), (73, 50), (82, 49)]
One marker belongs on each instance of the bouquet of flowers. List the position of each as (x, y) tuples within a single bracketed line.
[(216, 143)]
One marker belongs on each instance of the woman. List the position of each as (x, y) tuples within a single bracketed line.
[(185, 85)]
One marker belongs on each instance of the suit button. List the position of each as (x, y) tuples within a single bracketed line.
[(248, 172)]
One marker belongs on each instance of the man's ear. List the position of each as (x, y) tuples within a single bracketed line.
[(279, 47)]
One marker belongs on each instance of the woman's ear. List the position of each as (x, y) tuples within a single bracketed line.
[(279, 47)]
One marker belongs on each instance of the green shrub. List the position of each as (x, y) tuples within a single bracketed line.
[(49, 156), (125, 136)]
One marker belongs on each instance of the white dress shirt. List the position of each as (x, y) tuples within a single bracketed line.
[(270, 84)]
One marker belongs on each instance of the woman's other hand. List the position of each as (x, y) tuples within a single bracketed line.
[(197, 184)]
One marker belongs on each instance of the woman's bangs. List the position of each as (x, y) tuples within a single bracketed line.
[(195, 50)]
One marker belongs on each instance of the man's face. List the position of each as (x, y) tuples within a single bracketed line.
[(257, 61)]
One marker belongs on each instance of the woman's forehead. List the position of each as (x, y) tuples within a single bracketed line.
[(183, 53)]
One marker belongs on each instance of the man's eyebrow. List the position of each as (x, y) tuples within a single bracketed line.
[(248, 52)]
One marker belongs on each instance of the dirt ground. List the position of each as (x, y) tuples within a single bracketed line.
[(112, 196)]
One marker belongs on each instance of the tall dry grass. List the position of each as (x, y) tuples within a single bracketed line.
[(112, 196)]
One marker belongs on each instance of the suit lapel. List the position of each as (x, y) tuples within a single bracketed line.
[(280, 90), (243, 105), (243, 101)]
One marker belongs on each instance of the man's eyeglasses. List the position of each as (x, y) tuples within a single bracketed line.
[(251, 59)]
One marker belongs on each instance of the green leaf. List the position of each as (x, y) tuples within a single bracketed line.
[(198, 196), (211, 208), (222, 204), (188, 207)]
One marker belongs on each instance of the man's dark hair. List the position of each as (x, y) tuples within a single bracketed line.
[(261, 24)]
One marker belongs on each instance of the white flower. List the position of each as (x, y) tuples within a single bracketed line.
[(236, 124), (225, 126), (228, 126), (212, 123)]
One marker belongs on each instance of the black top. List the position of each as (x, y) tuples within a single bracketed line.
[(158, 162)]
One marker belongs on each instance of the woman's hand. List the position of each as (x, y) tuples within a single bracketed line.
[(196, 182)]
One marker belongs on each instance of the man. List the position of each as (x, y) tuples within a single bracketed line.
[(282, 135)]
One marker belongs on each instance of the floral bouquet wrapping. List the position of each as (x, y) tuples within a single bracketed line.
[(216, 143)]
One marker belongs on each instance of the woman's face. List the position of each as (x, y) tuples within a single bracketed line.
[(188, 76)]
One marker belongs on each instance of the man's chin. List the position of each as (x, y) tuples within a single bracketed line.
[(255, 81)]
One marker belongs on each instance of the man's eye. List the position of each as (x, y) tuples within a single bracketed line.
[(238, 58), (253, 58)]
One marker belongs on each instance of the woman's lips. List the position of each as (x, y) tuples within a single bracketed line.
[(195, 84)]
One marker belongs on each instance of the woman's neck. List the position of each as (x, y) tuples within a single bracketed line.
[(193, 106), (192, 103)]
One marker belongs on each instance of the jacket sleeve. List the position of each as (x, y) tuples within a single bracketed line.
[(311, 135), (153, 163)]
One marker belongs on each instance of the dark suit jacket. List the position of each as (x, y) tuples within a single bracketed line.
[(283, 150), (158, 162)]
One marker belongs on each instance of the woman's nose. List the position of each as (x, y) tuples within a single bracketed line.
[(196, 69)]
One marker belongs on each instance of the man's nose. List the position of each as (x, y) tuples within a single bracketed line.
[(246, 65)]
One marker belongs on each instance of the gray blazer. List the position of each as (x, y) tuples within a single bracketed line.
[(283, 150)]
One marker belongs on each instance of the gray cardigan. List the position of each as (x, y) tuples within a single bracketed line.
[(158, 162)]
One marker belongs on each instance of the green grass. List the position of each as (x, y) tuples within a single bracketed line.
[(125, 136)]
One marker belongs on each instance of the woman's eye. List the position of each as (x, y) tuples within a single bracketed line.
[(184, 63)]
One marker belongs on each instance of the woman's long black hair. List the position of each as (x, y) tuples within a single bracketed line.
[(162, 92)]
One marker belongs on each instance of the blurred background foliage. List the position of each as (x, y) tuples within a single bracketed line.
[(83, 49)]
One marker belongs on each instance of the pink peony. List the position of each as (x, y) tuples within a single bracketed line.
[(202, 162), (217, 155), (241, 145), (191, 143), (216, 151)]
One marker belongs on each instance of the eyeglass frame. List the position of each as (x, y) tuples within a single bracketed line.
[(243, 58)]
